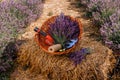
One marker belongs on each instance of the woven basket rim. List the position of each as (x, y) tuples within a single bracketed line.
[(66, 51)]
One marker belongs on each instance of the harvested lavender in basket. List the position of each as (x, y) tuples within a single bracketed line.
[(64, 29), (78, 56)]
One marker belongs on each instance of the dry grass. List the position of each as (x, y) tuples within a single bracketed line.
[(96, 65)]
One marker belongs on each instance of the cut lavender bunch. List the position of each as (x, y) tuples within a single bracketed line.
[(64, 29), (78, 56)]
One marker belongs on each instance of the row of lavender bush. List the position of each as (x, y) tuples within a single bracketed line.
[(15, 15), (107, 14)]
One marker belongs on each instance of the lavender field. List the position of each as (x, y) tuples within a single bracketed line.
[(96, 55), (15, 16), (106, 13)]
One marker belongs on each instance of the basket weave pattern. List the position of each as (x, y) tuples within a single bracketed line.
[(41, 41)]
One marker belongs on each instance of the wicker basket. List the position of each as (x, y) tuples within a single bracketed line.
[(40, 39)]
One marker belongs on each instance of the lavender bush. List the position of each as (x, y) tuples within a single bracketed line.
[(14, 16), (111, 31), (64, 29), (107, 14), (7, 59)]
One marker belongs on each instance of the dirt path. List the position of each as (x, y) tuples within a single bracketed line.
[(55, 7), (51, 7)]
